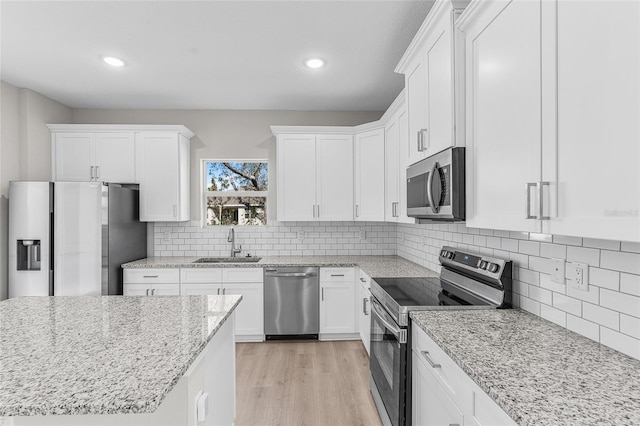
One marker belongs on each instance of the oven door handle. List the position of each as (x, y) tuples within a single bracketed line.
[(380, 315)]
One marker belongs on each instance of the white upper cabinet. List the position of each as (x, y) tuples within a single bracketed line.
[(164, 175), (434, 81), (369, 175), (315, 176), (553, 101), (80, 154), (503, 115)]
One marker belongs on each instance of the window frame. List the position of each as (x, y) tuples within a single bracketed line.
[(204, 193)]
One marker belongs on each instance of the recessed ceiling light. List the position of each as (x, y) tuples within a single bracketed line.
[(114, 62), (314, 63)]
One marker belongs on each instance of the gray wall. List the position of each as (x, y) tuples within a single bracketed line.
[(25, 149), (227, 134)]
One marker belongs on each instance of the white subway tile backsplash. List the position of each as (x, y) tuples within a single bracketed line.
[(540, 295), (620, 342), (601, 244), (583, 255), (586, 328), (555, 251), (621, 302), (540, 237), (592, 295), (604, 278), (545, 282), (630, 284), (630, 326), (530, 305), (602, 316), (621, 261), (529, 247), (567, 304), (554, 315), (632, 247), (570, 241)]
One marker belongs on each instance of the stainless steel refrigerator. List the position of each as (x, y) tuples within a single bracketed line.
[(70, 238)]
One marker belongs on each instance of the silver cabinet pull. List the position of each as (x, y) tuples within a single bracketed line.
[(337, 275), (426, 356), (224, 291), (218, 292), (527, 188), (357, 210), (97, 172), (149, 276), (153, 291), (363, 280), (322, 294), (318, 211), (419, 141), (91, 171), (541, 199), (394, 209), (147, 292), (364, 305)]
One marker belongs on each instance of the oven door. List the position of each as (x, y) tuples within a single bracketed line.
[(389, 362)]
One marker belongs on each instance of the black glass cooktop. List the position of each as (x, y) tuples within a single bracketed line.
[(417, 292)]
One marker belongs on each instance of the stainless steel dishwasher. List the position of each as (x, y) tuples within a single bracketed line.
[(291, 303)]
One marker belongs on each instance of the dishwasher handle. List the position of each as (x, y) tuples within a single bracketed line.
[(268, 273)]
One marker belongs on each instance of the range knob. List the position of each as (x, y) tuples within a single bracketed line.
[(483, 264), (443, 253), (493, 267)]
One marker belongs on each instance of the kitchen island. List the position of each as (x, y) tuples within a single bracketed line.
[(117, 360)]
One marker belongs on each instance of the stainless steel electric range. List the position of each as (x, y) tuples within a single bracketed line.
[(467, 281)]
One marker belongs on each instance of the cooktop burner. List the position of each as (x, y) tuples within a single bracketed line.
[(425, 292)]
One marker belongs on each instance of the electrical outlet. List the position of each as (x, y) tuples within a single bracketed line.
[(580, 276), (557, 271)]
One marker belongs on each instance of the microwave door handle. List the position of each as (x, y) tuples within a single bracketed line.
[(434, 169)]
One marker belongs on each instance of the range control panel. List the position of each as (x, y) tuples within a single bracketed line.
[(488, 264)]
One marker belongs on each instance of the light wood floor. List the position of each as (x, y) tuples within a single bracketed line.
[(303, 383)]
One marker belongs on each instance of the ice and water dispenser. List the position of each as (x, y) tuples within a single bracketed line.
[(28, 255)]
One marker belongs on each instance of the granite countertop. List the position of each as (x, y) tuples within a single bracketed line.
[(101, 355), (374, 266), (538, 372)]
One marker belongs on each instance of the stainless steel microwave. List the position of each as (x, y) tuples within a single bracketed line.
[(435, 186)]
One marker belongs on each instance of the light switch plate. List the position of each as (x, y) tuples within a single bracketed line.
[(557, 270), (579, 276)]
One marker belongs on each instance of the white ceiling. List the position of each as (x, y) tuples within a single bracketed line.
[(209, 54)]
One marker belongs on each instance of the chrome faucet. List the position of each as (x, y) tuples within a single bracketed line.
[(231, 238)]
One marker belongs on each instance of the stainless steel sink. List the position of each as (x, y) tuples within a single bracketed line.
[(227, 260)]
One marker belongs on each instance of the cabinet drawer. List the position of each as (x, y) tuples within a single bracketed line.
[(200, 275), (242, 275), (151, 276), (448, 373), (337, 274)]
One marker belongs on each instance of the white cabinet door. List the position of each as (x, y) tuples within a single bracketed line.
[(503, 115), (369, 176), (115, 157), (334, 192), (166, 289), (136, 289), (598, 130), (440, 131), (296, 177), (164, 177), (416, 82), (250, 311), (74, 157), (336, 308), (431, 406), (391, 171), (200, 289), (365, 315)]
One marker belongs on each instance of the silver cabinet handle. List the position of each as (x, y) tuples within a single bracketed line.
[(363, 280), (426, 356), (337, 275), (364, 306), (218, 292), (541, 199), (322, 293), (91, 171), (153, 291), (147, 292), (357, 210), (424, 146), (527, 188), (224, 291), (432, 203), (419, 141), (394, 209), (97, 172), (318, 211), (149, 276)]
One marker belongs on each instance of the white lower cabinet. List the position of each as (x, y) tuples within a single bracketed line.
[(363, 306), (337, 301), (442, 393), (247, 282)]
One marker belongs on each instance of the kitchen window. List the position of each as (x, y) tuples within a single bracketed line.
[(235, 192)]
